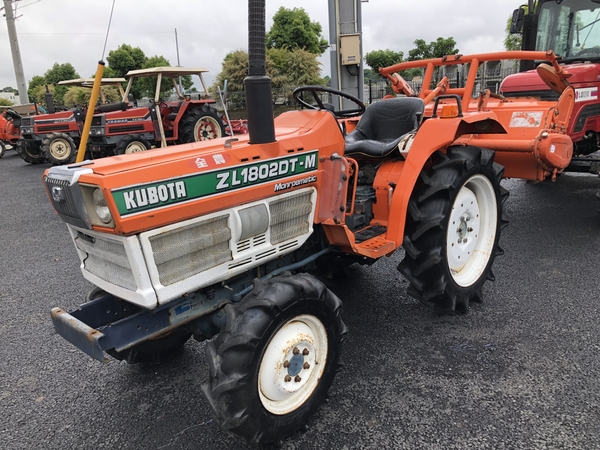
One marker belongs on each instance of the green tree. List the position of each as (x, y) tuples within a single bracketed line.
[(35, 83), (5, 102), (60, 72), (383, 58), (514, 41), (124, 59), (80, 96), (292, 29), (435, 49), (38, 94), (10, 89)]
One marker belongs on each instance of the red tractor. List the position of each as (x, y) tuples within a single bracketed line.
[(159, 124), (10, 121), (55, 137), (570, 28)]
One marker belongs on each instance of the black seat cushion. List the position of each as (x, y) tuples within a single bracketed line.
[(383, 125)]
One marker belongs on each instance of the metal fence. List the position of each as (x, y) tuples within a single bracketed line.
[(373, 91)]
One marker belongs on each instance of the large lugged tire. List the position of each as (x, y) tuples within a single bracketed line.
[(59, 149), (200, 124), (30, 152), (453, 227), (132, 144), (274, 361), (2, 148)]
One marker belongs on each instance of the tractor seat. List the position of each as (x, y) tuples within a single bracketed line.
[(383, 125), (173, 115)]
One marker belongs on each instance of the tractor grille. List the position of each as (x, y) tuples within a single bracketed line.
[(26, 121), (126, 128), (186, 251), (106, 259), (61, 196), (60, 127), (290, 217)]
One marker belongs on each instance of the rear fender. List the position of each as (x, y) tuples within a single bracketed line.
[(397, 179)]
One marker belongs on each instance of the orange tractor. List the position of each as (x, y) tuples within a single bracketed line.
[(216, 239)]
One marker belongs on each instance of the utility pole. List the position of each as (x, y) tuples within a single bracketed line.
[(16, 54), (345, 39)]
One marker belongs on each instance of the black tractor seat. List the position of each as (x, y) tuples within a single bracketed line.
[(383, 125)]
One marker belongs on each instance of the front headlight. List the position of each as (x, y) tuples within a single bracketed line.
[(101, 207)]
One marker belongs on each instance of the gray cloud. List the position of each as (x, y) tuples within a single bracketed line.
[(74, 30)]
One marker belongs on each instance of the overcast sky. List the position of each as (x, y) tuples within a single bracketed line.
[(74, 30)]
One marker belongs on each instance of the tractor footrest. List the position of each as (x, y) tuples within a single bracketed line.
[(368, 233), (376, 247)]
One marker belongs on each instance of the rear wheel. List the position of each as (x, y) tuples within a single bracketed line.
[(200, 124), (453, 227), (30, 152), (132, 144), (59, 149), (274, 361)]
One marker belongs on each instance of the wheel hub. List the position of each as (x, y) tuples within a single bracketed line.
[(292, 364), (59, 149), (471, 230)]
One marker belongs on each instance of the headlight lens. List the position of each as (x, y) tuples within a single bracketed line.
[(101, 206)]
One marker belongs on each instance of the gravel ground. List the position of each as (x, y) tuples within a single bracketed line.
[(519, 371)]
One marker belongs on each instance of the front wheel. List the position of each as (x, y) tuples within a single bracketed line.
[(59, 149), (275, 359), (30, 152), (453, 227), (132, 144), (200, 124), (2, 148)]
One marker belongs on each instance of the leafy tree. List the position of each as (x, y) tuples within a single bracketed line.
[(292, 29), (5, 102), (10, 89), (124, 59), (76, 95), (38, 94), (435, 49), (34, 83), (514, 41), (383, 58), (60, 72)]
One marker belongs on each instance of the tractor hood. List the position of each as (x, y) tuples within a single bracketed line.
[(530, 81)]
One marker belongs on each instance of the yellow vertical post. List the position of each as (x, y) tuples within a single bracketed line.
[(87, 125)]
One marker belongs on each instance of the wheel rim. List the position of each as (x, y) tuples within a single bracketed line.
[(60, 149), (292, 365), (472, 230), (206, 128), (135, 147)]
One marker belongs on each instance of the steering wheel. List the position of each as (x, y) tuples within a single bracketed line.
[(315, 90)]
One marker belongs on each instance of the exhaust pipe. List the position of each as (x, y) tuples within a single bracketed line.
[(49, 101), (259, 104)]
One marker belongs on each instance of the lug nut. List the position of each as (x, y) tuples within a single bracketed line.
[(295, 351), (286, 364), (306, 366), (297, 379), (469, 229), (287, 379), (464, 240), (305, 352)]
